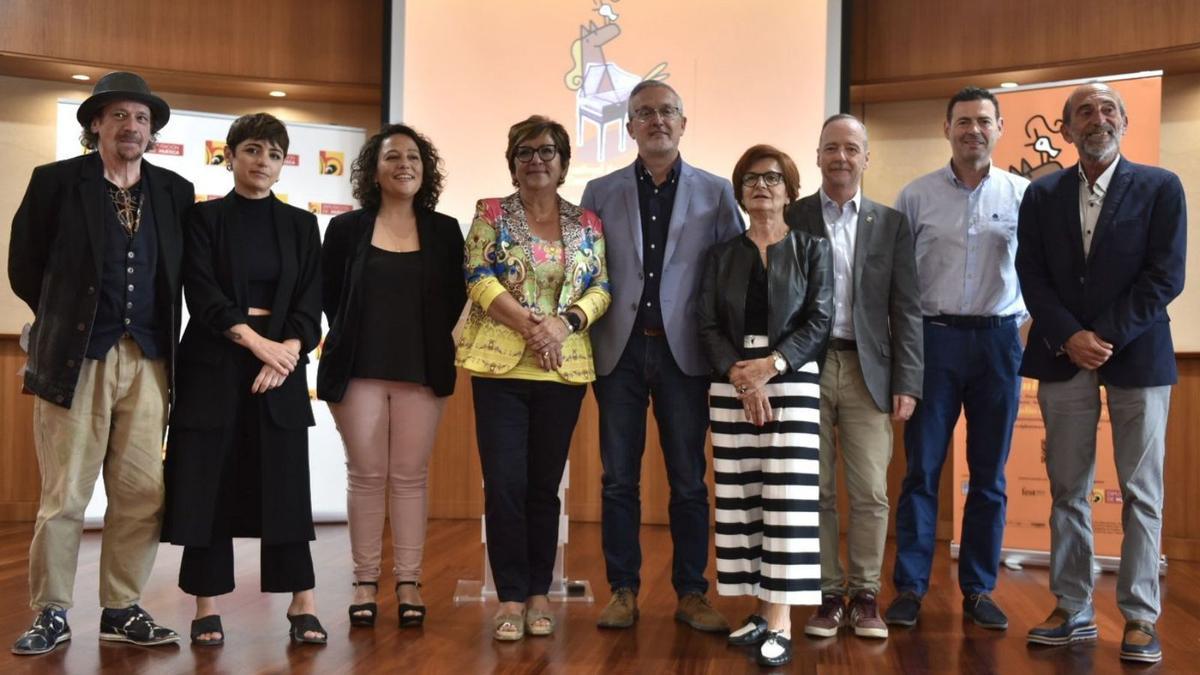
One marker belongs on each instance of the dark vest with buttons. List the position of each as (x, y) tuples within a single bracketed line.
[(127, 288)]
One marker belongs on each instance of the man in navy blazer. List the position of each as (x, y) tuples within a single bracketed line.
[(660, 216), (1101, 253)]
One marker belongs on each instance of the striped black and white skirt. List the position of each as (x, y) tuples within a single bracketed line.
[(766, 485)]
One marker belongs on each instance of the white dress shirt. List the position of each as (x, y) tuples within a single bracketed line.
[(841, 227), (1091, 201)]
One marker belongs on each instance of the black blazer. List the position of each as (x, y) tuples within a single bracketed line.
[(799, 299), (55, 258), (1134, 268), (214, 286), (443, 291)]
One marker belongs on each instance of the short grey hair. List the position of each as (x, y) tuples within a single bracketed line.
[(650, 84), (846, 116)]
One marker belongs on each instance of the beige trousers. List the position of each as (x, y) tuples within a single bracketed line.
[(114, 424), (388, 429), (850, 419)]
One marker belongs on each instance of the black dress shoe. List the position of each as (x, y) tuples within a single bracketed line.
[(752, 632), (776, 650), (904, 610)]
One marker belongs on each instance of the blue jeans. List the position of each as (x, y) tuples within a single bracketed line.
[(974, 370), (648, 373)]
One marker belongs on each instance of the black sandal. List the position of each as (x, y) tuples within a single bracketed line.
[(368, 619), (417, 618), (208, 624), (306, 623)]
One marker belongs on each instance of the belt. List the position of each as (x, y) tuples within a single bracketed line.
[(653, 332), (958, 321), (755, 342), (842, 345)]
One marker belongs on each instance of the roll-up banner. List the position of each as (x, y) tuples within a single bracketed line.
[(1032, 146)]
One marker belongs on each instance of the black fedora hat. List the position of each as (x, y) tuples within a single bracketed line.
[(123, 86)]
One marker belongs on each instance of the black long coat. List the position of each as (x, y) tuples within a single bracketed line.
[(200, 438)]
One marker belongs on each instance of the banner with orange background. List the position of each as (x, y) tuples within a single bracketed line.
[(1032, 145)]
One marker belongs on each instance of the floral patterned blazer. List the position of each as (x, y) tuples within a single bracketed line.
[(499, 258)]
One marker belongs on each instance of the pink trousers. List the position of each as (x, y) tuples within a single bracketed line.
[(388, 429)]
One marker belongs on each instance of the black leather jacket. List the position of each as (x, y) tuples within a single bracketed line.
[(55, 261), (799, 299)]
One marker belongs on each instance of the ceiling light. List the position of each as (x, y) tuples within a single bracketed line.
[(277, 93), (1008, 85), (81, 77)]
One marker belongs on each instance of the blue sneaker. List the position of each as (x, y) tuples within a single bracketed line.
[(48, 631), (1140, 643), (983, 610), (1063, 627)]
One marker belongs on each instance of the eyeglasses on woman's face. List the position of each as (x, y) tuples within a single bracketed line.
[(546, 153), (768, 178)]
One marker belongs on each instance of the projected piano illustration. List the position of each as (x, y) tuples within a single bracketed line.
[(602, 100)]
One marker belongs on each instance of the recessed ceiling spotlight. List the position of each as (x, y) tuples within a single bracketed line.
[(277, 93), (1008, 85), (81, 77)]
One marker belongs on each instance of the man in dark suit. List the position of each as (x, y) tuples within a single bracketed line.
[(95, 252), (873, 367), (660, 217), (1101, 253)]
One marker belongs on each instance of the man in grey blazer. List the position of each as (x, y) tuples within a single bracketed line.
[(660, 216), (873, 367)]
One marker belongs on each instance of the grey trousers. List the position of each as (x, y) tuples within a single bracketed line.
[(1071, 411)]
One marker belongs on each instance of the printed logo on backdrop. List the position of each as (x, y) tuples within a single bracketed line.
[(169, 149), (327, 209), (1045, 140), (291, 160), (214, 153), (332, 162), (602, 87)]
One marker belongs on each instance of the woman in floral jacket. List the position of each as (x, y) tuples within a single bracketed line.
[(537, 281)]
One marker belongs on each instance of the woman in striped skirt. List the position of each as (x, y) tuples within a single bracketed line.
[(765, 312)]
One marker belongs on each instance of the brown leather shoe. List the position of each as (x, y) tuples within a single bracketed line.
[(621, 611), (828, 618), (695, 610), (864, 616)]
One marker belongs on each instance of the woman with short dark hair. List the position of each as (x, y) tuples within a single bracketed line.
[(392, 290), (537, 280), (765, 313), (237, 456)]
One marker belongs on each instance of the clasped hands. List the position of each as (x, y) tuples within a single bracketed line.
[(1087, 350), (545, 335), (748, 379), (279, 359)]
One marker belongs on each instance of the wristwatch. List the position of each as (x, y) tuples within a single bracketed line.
[(574, 323), (779, 362)]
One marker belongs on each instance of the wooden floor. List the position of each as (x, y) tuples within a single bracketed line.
[(458, 639)]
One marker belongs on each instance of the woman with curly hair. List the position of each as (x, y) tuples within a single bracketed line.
[(392, 290)]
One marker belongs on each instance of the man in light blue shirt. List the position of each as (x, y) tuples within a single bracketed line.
[(964, 220)]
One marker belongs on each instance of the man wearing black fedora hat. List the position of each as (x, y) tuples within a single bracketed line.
[(95, 252)]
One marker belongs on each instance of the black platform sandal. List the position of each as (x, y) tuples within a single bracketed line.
[(208, 624), (306, 623), (416, 618), (364, 620)]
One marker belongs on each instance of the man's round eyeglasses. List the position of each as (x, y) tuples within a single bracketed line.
[(668, 113)]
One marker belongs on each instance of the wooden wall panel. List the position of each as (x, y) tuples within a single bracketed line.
[(455, 479), (19, 478), (922, 39), (292, 40)]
